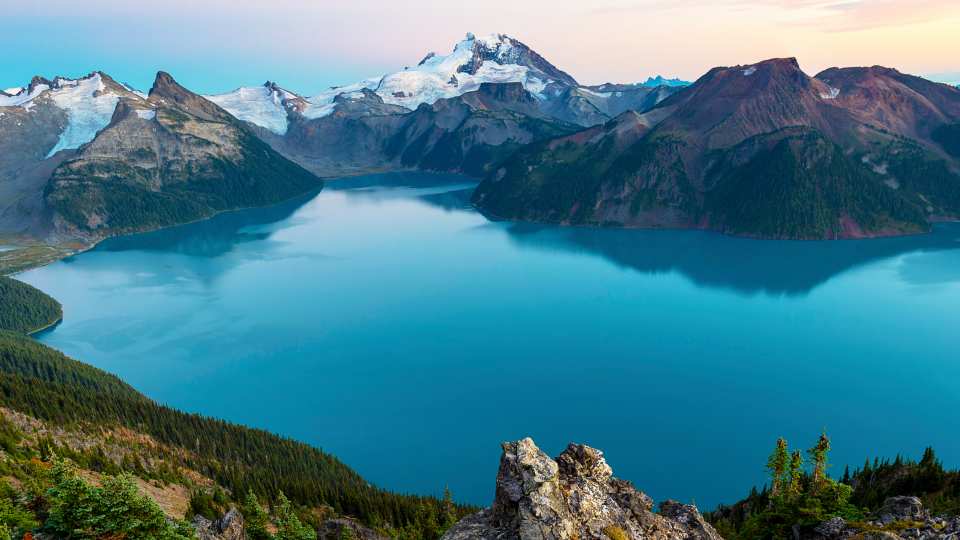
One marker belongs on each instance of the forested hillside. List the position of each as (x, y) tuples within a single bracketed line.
[(25, 309), (45, 384)]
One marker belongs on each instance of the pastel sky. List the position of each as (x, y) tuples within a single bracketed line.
[(308, 45)]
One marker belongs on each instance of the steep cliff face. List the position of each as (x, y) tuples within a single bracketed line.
[(171, 158), (574, 496)]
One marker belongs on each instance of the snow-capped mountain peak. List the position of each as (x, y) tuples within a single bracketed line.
[(494, 58), (265, 105), (89, 103)]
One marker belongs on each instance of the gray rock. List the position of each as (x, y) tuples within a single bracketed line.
[(902, 508), (832, 528), (574, 496), (229, 527), (332, 529)]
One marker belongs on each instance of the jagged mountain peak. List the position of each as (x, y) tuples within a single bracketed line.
[(166, 91), (660, 80), (164, 85)]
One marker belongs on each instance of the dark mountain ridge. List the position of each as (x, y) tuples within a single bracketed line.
[(761, 150)]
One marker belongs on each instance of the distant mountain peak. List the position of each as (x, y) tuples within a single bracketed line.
[(491, 58), (660, 80)]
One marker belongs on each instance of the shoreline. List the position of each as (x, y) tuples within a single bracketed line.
[(70, 252), (494, 218), (47, 326)]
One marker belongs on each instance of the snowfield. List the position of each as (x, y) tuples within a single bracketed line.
[(89, 109), (258, 105), (88, 102)]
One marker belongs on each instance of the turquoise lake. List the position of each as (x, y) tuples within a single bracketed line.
[(387, 322)]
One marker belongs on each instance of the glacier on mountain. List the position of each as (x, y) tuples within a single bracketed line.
[(258, 105), (89, 106)]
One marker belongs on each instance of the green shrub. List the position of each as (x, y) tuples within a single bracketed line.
[(115, 509)]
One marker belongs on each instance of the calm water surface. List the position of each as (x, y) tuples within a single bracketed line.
[(387, 322)]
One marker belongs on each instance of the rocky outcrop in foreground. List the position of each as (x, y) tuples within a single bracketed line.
[(573, 497), (229, 527), (900, 517)]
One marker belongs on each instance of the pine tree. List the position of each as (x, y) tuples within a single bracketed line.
[(449, 509), (796, 473), (288, 524), (818, 456), (255, 518), (777, 465), (929, 460)]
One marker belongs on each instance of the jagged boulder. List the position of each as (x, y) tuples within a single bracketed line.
[(902, 509), (229, 527), (337, 528), (573, 497)]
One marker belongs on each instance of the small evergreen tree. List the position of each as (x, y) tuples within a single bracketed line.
[(818, 456), (288, 524), (796, 474), (777, 465), (255, 518), (449, 509)]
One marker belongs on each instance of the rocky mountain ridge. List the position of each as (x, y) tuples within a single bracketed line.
[(169, 158), (760, 150), (474, 61)]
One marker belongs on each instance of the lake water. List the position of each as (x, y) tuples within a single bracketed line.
[(387, 322)]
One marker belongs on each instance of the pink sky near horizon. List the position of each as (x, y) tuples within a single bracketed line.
[(598, 41)]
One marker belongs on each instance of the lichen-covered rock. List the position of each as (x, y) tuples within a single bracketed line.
[(573, 497), (229, 527), (337, 528), (902, 509), (898, 518)]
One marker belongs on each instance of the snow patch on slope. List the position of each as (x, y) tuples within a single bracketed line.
[(831, 93), (322, 104), (23, 99), (89, 109), (258, 105)]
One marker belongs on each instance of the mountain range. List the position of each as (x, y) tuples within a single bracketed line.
[(759, 150)]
